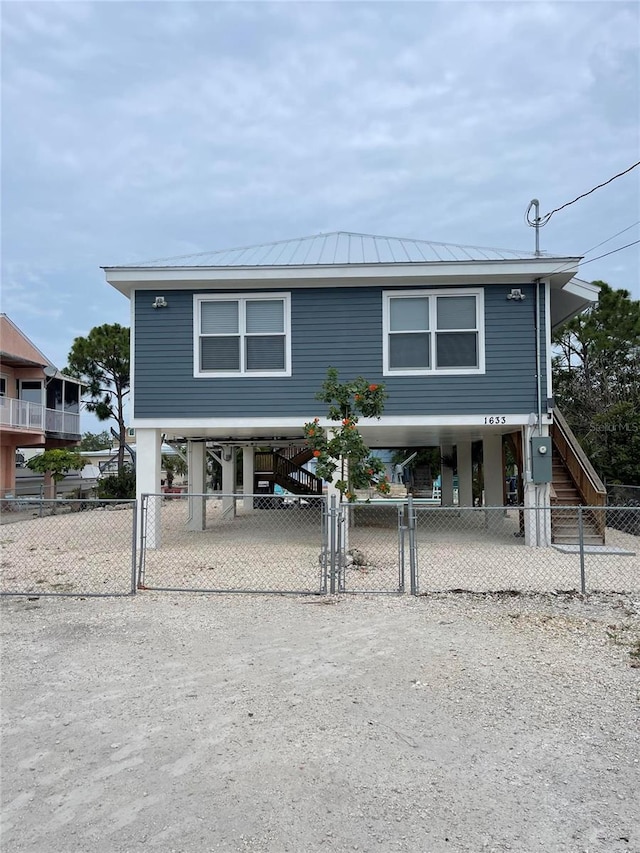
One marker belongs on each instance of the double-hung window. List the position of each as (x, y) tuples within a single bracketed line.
[(433, 332), (242, 335)]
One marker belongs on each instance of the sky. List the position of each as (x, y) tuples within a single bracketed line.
[(138, 130)]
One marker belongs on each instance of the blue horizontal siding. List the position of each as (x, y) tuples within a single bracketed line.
[(334, 327)]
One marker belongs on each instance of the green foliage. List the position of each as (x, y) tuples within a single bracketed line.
[(95, 441), (331, 448), (174, 466), (120, 486), (58, 462), (102, 362), (596, 376)]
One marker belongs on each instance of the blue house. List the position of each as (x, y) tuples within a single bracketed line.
[(230, 347)]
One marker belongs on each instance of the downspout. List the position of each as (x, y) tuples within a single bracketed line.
[(538, 357), (539, 400)]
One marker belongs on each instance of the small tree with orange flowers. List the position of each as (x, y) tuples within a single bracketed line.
[(342, 447)]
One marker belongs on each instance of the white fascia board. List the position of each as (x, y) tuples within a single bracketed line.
[(275, 424), (125, 279), (583, 289)]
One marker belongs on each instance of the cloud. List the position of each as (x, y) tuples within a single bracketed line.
[(136, 130)]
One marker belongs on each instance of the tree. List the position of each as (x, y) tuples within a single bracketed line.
[(343, 447), (57, 463), (95, 441), (596, 376), (102, 362), (174, 465)]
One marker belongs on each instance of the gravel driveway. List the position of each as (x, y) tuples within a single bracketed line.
[(192, 723)]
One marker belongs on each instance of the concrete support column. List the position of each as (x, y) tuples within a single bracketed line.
[(537, 500), (228, 481), (197, 510), (148, 467), (248, 470), (493, 473), (465, 474), (446, 477), (7, 470)]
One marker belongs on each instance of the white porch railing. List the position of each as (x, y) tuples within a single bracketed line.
[(21, 414), (64, 422)]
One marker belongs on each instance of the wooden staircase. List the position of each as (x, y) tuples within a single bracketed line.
[(574, 483), (283, 467)]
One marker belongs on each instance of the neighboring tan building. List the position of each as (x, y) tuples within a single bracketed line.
[(39, 406)]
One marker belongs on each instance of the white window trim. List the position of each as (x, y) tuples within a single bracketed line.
[(241, 298), (478, 292)]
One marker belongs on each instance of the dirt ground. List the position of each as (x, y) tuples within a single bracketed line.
[(194, 723)]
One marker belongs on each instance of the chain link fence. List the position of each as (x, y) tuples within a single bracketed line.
[(67, 547), (257, 543), (619, 495), (231, 543), (483, 549)]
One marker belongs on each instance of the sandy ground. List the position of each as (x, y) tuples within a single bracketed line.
[(193, 723)]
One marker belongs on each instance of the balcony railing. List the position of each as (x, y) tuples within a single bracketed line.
[(67, 423), (20, 414)]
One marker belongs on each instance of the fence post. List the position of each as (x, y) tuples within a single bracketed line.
[(583, 578), (134, 544), (143, 539), (413, 548), (401, 538), (333, 525)]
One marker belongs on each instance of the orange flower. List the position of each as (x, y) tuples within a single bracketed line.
[(346, 421), (373, 387), (316, 453)]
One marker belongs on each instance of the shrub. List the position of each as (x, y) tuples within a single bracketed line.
[(121, 486)]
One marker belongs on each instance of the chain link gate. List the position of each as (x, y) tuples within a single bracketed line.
[(367, 547), (233, 543)]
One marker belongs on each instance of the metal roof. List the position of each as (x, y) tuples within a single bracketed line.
[(338, 248)]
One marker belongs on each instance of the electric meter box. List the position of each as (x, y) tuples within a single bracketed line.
[(541, 459)]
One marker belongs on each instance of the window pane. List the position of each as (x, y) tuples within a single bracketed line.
[(456, 312), (220, 353), (219, 318), (409, 351), (411, 314), (457, 349), (71, 397), (265, 315), (265, 353), (31, 392)]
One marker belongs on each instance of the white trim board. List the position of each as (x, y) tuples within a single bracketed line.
[(369, 423)]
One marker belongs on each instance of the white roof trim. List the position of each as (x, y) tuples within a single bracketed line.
[(561, 270)]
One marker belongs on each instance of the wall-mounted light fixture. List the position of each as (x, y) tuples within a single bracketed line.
[(516, 294), (159, 302)]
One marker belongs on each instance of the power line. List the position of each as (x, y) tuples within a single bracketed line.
[(608, 240), (606, 254), (539, 222)]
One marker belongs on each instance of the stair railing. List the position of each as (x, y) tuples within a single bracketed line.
[(590, 487), (296, 476)]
